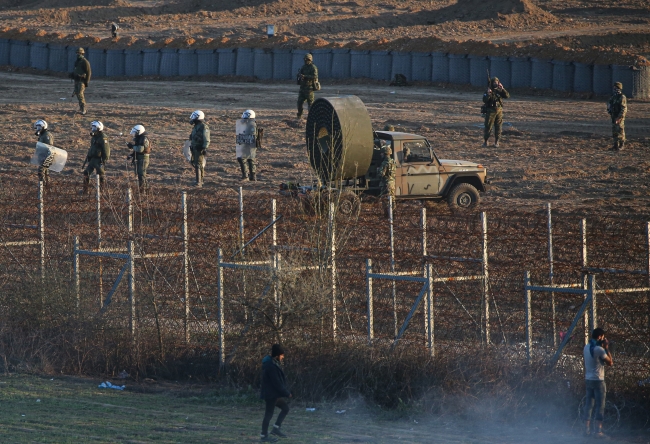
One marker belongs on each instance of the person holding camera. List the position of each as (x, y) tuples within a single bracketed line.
[(596, 355)]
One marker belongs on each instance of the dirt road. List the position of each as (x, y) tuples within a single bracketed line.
[(553, 149)]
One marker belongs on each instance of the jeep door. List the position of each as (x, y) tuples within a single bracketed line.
[(419, 172)]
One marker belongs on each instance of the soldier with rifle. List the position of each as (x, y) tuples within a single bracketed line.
[(493, 109)]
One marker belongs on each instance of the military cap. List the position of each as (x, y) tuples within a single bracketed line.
[(308, 57), (81, 51), (389, 128), (618, 85), (495, 79)]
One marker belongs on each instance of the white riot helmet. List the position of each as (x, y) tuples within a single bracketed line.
[(248, 114), (96, 126), (40, 125), (137, 130), (196, 116)]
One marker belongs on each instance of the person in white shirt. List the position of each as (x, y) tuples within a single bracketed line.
[(596, 355)]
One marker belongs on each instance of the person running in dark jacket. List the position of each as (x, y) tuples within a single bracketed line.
[(274, 389)]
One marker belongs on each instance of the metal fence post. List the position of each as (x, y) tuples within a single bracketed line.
[(371, 333), (593, 318), (186, 267), (99, 238), (222, 342), (583, 234), (392, 261), (550, 274), (129, 201), (132, 288), (647, 234), (486, 283), (41, 227), (425, 267), (430, 311), (529, 340), (75, 266), (333, 264), (276, 260)]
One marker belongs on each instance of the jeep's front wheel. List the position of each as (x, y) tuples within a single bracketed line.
[(463, 197)]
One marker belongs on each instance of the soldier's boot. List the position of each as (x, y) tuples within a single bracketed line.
[(199, 178), (252, 169), (496, 142), (102, 182), (621, 144), (82, 109), (244, 169), (86, 184), (615, 146), (252, 177), (485, 143)]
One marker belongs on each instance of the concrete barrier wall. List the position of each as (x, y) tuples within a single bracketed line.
[(478, 67), (19, 54), (263, 64), (5, 49), (341, 68), (602, 82), (520, 72), (323, 60), (583, 77), (562, 76), (97, 59), (542, 74), (359, 64), (115, 62), (439, 67), (402, 64), (150, 62), (227, 62), (188, 62), (459, 68), (168, 62), (282, 64), (421, 66), (133, 62), (380, 65), (245, 63), (58, 58), (338, 63), (39, 56), (207, 62)]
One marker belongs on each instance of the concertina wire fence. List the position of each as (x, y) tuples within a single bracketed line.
[(617, 253)]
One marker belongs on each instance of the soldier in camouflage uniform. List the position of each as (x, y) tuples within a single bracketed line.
[(44, 136), (81, 76), (617, 108), (200, 140), (307, 77), (98, 154), (387, 171), (493, 99)]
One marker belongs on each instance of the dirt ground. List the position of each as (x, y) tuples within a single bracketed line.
[(554, 149)]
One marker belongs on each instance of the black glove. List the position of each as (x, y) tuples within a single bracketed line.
[(130, 145), (203, 152), (129, 157)]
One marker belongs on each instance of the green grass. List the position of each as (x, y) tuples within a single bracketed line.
[(74, 410)]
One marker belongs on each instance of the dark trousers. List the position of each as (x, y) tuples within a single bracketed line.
[(271, 404), (596, 392)]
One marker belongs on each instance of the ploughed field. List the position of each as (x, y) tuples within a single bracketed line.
[(554, 149)]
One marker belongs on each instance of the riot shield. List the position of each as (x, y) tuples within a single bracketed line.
[(246, 131), (43, 151), (187, 153)]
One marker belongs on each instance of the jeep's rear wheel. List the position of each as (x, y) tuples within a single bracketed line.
[(463, 197)]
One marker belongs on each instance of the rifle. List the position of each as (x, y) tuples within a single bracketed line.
[(83, 167), (488, 77), (484, 106)]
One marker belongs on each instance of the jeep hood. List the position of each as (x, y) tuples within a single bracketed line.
[(458, 163)]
